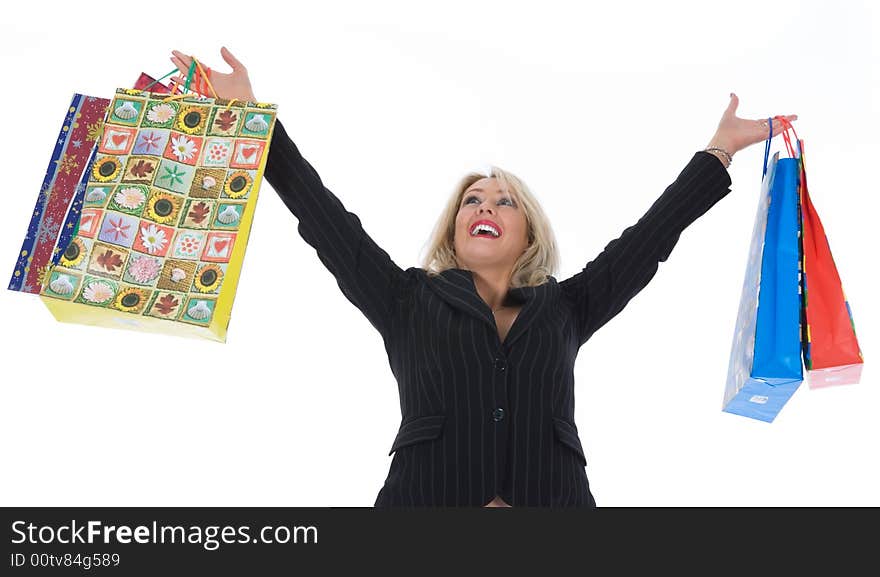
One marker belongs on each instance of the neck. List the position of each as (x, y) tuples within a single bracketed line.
[(492, 285)]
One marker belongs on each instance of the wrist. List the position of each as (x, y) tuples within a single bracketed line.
[(720, 156), (723, 143), (721, 148)]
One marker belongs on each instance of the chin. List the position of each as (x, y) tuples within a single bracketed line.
[(476, 258)]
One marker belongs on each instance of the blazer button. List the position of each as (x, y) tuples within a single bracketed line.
[(498, 414), (500, 365)]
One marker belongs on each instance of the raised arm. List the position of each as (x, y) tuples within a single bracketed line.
[(626, 265), (365, 273)]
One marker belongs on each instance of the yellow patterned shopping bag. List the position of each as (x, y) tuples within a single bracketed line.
[(163, 215)]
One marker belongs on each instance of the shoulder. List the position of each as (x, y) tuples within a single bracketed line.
[(410, 279), (415, 273)]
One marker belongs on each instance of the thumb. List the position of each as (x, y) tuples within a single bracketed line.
[(731, 107), (231, 60)]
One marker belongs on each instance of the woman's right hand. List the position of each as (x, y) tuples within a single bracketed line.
[(235, 84)]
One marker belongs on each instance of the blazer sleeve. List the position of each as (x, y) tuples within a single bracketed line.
[(626, 265), (364, 272)]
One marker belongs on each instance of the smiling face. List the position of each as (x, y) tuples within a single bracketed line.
[(490, 228)]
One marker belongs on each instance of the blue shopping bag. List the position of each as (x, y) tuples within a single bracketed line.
[(765, 366)]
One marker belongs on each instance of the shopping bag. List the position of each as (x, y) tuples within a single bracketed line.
[(743, 348), (163, 216), (51, 222), (777, 332), (831, 350), (774, 331), (765, 368)]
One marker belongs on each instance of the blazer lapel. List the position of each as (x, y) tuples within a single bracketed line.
[(456, 286), (537, 303)]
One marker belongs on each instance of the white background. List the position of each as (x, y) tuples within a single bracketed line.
[(597, 108)]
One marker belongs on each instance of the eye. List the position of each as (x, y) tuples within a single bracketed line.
[(510, 202), (470, 198)]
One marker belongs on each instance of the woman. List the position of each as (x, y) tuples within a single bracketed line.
[(483, 339)]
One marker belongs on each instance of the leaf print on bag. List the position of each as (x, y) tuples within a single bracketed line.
[(199, 212), (109, 260), (166, 304), (142, 169), (224, 122)]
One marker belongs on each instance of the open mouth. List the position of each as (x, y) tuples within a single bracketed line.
[(485, 229)]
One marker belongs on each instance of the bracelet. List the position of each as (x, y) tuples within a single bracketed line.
[(722, 151)]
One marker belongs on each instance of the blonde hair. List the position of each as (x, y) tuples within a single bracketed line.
[(540, 259)]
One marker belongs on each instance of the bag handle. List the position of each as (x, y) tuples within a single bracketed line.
[(767, 147), (786, 126), (197, 74)]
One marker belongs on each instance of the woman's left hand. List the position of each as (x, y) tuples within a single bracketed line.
[(736, 133)]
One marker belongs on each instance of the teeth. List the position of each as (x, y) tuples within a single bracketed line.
[(482, 226)]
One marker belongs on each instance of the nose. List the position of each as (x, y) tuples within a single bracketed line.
[(485, 207)]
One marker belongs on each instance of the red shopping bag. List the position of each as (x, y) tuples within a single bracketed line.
[(830, 348)]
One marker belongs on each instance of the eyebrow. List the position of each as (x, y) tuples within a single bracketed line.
[(505, 194), (481, 190)]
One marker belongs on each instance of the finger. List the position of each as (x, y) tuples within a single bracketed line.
[(230, 59), (778, 127), (731, 106), (776, 123), (789, 118), (184, 59), (181, 66)]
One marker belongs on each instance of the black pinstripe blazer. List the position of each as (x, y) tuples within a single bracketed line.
[(480, 416)]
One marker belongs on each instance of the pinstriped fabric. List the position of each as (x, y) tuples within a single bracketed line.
[(629, 262), (481, 416)]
